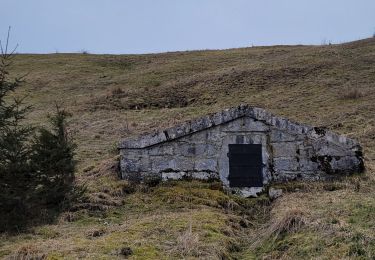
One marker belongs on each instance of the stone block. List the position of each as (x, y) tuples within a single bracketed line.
[(182, 164), (275, 193), (217, 118), (285, 164), (267, 176), (282, 136), (144, 141), (245, 124), (160, 165), (173, 175), (185, 149), (215, 136), (205, 175), (211, 150), (129, 165), (206, 165), (255, 126), (346, 164), (284, 149), (284, 176), (127, 153), (256, 138), (327, 149), (179, 131), (236, 125), (198, 137), (307, 165), (305, 151), (164, 149), (261, 114), (265, 155), (200, 149), (251, 192)]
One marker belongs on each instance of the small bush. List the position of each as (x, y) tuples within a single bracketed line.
[(83, 51), (117, 91), (126, 251), (95, 233)]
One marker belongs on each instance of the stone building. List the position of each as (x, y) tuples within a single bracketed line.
[(245, 147)]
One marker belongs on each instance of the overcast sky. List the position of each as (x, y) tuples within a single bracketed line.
[(146, 26)]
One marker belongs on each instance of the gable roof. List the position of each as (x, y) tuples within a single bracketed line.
[(227, 115)]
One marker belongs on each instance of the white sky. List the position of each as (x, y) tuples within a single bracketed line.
[(145, 26)]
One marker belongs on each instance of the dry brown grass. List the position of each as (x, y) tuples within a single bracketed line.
[(116, 96), (188, 244), (290, 221), (323, 223), (28, 252), (351, 92)]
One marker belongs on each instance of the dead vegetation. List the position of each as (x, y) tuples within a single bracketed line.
[(188, 244), (288, 222), (118, 99), (351, 92), (112, 97), (28, 252)]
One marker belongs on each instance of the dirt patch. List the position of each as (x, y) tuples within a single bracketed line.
[(119, 99)]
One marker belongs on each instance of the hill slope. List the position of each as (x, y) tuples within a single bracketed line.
[(114, 96)]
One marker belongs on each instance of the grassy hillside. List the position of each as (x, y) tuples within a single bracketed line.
[(115, 96)]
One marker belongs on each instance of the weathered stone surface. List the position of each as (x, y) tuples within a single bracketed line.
[(189, 175), (246, 124), (147, 140), (161, 150), (173, 175), (284, 149), (275, 193), (186, 149), (255, 138), (286, 163), (205, 175), (162, 165), (281, 136), (128, 165), (199, 149), (209, 165), (182, 164), (210, 150), (251, 192), (307, 165)]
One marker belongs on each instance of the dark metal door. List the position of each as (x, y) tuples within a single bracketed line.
[(245, 165)]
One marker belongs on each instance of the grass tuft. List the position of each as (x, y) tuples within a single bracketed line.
[(188, 243), (351, 92), (290, 222)]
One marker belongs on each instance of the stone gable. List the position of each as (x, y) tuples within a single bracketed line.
[(200, 148)]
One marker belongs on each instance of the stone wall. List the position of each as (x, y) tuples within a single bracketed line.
[(199, 148)]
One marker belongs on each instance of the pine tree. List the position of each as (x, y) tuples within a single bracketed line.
[(53, 161), (36, 171), (15, 174)]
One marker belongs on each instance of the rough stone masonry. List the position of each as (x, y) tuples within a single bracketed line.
[(224, 146)]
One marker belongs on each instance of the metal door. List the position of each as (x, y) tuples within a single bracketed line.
[(245, 165)]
